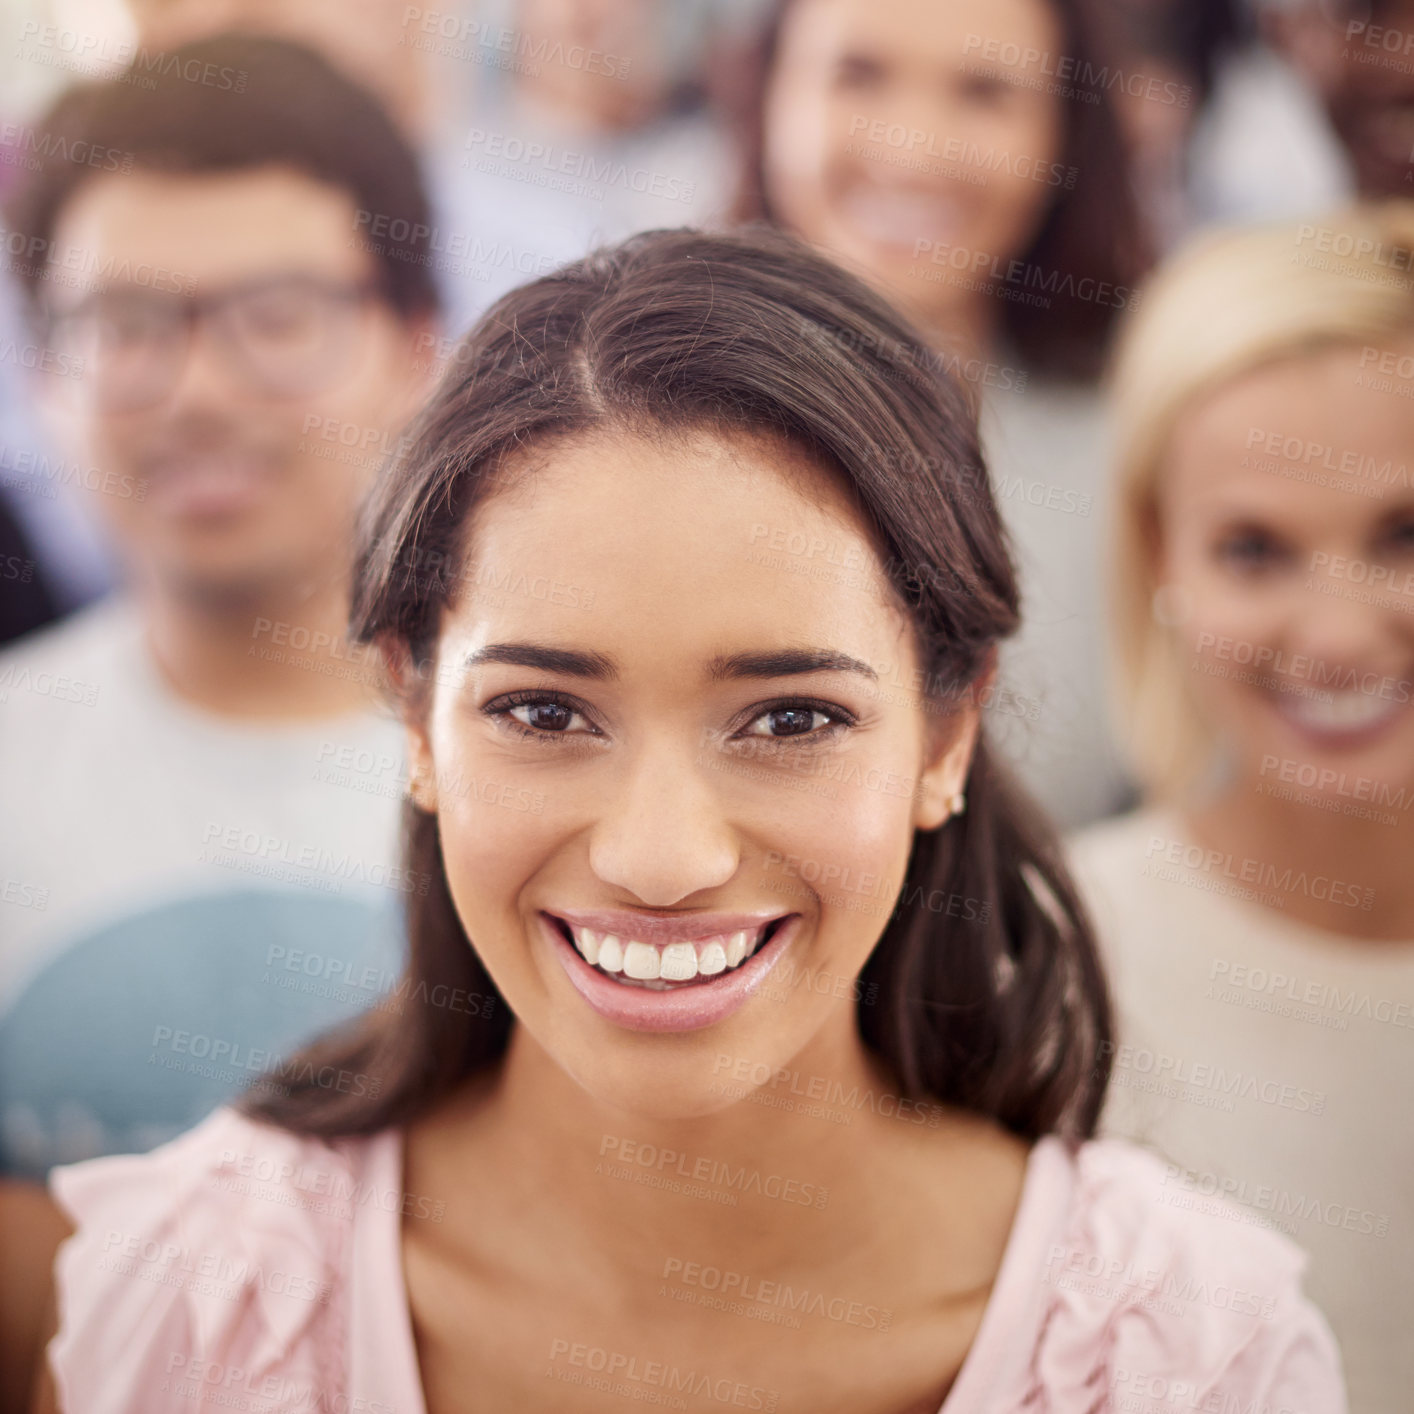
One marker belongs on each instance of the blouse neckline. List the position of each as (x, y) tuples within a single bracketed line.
[(383, 1364)]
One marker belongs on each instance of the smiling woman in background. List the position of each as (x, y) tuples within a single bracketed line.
[(1259, 913), (967, 159), (738, 957)]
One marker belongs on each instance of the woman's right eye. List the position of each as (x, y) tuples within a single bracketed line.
[(547, 716), (1249, 548), (531, 715), (858, 72)]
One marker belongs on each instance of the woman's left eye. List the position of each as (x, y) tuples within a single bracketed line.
[(795, 719), (1401, 535)]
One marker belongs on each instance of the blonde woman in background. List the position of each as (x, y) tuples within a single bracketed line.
[(1258, 911)]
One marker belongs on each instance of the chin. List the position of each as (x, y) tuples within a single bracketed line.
[(641, 1091), (240, 574)]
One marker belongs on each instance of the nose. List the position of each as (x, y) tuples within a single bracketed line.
[(913, 121), (203, 380), (661, 835)]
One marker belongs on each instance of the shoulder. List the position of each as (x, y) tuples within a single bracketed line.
[(225, 1247), (1113, 864), (68, 661), (1159, 1288), (96, 630), (1119, 841)]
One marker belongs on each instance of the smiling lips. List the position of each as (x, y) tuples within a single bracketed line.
[(631, 959), (661, 953), (1340, 718), (666, 997)]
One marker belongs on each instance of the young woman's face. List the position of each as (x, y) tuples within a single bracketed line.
[(915, 141), (674, 704), (1288, 536)]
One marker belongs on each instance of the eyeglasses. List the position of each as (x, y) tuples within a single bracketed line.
[(283, 335)]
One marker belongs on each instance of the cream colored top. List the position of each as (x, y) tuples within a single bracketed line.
[(1274, 1063)]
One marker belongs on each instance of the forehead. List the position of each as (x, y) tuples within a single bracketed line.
[(213, 227), (1298, 436), (700, 539), (921, 29)]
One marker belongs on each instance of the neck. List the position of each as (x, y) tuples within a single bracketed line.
[(966, 329), (754, 1187), (1289, 839), (272, 653)]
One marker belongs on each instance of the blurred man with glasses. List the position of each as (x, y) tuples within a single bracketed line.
[(199, 864)]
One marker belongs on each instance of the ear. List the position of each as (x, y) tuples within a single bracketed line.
[(410, 692), (951, 742)]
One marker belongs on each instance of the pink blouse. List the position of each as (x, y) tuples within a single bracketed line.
[(243, 1267)]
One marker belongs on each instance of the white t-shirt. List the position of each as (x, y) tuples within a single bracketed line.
[(1272, 1062), (184, 899), (1048, 452)]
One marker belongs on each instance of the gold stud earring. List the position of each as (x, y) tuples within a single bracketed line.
[(418, 789)]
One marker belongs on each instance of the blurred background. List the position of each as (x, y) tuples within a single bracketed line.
[(1165, 245)]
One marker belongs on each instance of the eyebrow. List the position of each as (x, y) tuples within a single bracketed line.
[(776, 663)]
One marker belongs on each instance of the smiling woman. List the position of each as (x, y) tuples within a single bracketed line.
[(752, 1036), (638, 426), (1263, 558)]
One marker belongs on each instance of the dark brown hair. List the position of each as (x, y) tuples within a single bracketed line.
[(225, 104), (1093, 231), (1007, 1014)]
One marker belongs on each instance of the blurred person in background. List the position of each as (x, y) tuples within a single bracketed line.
[(380, 44), (41, 517), (1180, 48), (367, 39), (585, 120), (1319, 113), (968, 161), (362, 37), (1357, 56), (201, 798), (1258, 911)]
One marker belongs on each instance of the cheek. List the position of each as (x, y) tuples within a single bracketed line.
[(358, 405), (1212, 603), (803, 139), (1016, 204), (1215, 614), (1223, 608), (491, 844), (849, 850), (490, 817), (490, 822)]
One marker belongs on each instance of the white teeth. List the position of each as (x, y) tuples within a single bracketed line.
[(736, 949), (676, 962), (679, 963), (641, 961), (587, 941), (713, 960), (1346, 711)]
